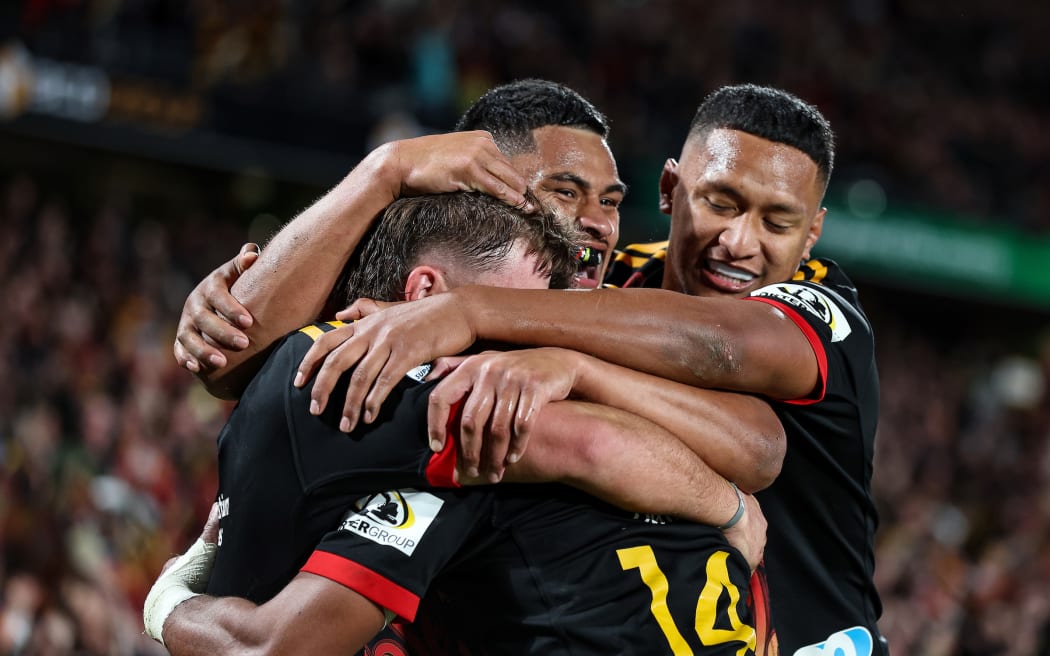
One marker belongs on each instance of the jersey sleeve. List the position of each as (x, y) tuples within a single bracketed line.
[(835, 328), (390, 546)]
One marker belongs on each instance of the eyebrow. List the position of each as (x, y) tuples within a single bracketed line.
[(774, 208), (566, 176)]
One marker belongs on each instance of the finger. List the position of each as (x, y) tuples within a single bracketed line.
[(494, 452), (487, 183), (506, 176), (184, 359), (318, 352), (246, 258), (524, 419), (198, 348), (443, 398), (220, 331), (368, 363), (215, 290), (444, 366), (210, 533), (394, 369), (361, 308), (475, 415), (249, 247)]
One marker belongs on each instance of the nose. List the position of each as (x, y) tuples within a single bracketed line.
[(740, 237), (596, 222)]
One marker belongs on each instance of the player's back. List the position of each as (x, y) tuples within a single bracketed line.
[(287, 477), (561, 573)]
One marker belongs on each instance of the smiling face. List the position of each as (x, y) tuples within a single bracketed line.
[(744, 212), (573, 171)]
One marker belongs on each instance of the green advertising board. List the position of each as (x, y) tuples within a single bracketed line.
[(941, 256)]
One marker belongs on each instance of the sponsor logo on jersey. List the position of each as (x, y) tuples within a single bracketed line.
[(855, 641), (224, 509), (397, 519), (812, 301), (652, 518), (420, 372)]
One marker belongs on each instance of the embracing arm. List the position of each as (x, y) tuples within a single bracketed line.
[(311, 615), (738, 435), (501, 394), (718, 343), (634, 464), (294, 275), (723, 343)]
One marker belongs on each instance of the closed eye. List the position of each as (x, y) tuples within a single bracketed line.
[(718, 207)]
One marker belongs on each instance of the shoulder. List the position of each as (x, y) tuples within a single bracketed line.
[(822, 295), (637, 265)]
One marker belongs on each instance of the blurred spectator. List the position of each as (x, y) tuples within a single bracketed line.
[(107, 449), (942, 104)]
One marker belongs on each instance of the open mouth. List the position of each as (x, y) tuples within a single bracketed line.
[(727, 278), (590, 259)]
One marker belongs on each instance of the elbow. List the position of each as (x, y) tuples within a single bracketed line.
[(767, 453), (217, 385)]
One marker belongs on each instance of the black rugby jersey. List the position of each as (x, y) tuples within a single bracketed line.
[(822, 519), (286, 476), (539, 569)]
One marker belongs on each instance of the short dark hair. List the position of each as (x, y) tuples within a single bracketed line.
[(512, 111), (471, 229), (772, 114)]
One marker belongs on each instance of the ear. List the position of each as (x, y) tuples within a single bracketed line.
[(815, 228), (424, 280), (668, 182)]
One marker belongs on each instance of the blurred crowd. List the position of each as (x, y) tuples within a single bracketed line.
[(107, 448), (942, 104), (962, 482), (107, 460)]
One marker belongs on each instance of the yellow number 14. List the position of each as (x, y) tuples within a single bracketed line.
[(644, 560)]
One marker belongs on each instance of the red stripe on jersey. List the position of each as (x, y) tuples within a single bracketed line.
[(365, 582), (441, 468), (814, 341), (758, 602)]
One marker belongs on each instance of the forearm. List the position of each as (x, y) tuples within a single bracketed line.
[(295, 273), (214, 625), (737, 435), (705, 342), (624, 460), (312, 615)]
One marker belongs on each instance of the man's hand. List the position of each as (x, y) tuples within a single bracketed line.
[(211, 315), (182, 578), (382, 347), (502, 395), (459, 161), (749, 534)]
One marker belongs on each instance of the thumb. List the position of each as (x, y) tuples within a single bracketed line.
[(210, 534)]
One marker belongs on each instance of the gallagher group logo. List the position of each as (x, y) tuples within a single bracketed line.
[(812, 301), (398, 518), (389, 509)]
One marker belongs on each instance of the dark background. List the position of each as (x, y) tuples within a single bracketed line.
[(141, 141)]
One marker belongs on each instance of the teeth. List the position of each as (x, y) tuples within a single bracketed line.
[(731, 272)]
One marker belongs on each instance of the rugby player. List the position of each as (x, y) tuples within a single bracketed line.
[(745, 204), (321, 533)]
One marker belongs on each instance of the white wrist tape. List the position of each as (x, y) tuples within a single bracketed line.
[(187, 577)]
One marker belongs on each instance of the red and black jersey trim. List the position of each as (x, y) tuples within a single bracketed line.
[(814, 341), (375, 587)]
